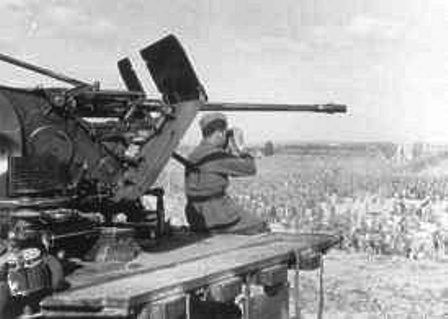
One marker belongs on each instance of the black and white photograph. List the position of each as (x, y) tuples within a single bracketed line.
[(224, 159)]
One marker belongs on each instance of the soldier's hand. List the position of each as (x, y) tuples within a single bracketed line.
[(236, 142)]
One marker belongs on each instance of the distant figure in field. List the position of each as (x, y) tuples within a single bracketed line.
[(213, 161)]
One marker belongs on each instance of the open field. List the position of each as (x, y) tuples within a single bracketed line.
[(382, 287), (394, 219)]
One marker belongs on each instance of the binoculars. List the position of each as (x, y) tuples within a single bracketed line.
[(235, 138)]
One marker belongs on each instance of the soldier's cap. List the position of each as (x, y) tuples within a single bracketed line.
[(212, 121)]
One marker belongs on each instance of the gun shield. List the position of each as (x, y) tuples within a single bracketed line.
[(172, 71)]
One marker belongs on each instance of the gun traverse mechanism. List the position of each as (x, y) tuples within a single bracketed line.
[(79, 160)]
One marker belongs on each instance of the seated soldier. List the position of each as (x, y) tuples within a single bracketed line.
[(212, 162)]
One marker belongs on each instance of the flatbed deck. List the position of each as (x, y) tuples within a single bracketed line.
[(179, 265)]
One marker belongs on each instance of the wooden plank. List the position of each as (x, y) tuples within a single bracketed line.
[(200, 272), (197, 247), (168, 254)]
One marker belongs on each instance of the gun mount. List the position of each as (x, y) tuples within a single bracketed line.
[(78, 161)]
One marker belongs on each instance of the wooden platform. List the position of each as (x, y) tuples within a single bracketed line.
[(180, 264)]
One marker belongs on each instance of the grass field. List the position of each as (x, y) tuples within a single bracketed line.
[(393, 260)]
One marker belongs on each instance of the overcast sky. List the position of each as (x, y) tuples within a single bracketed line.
[(386, 59)]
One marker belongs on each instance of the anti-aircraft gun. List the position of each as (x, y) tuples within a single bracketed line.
[(78, 162)]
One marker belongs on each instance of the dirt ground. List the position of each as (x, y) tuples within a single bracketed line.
[(359, 286)]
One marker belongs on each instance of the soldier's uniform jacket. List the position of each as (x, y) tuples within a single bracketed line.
[(206, 182)]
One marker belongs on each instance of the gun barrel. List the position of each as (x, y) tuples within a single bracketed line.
[(329, 108), (41, 70)]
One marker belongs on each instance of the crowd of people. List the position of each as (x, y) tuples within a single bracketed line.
[(402, 217)]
